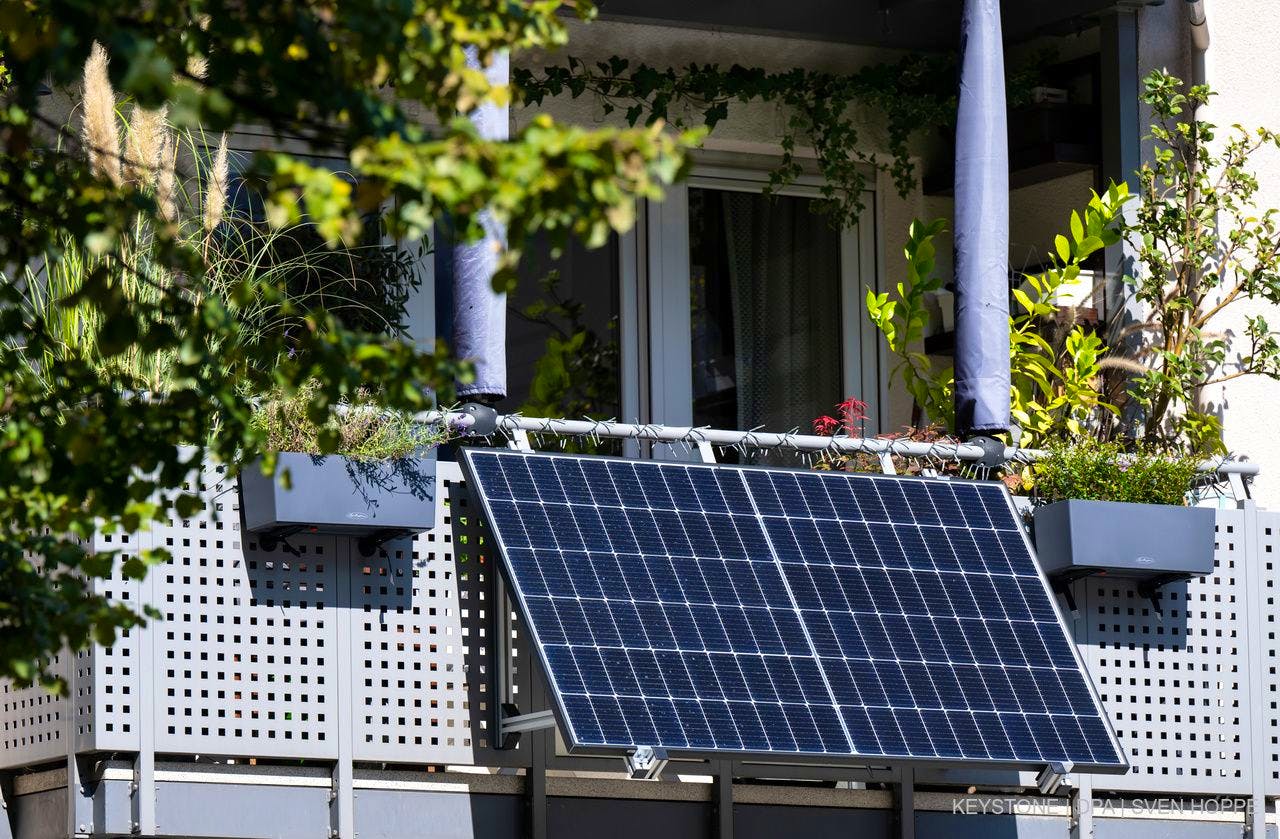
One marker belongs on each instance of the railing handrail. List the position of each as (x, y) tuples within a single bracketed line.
[(811, 443)]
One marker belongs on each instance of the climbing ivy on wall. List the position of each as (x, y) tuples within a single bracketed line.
[(824, 111)]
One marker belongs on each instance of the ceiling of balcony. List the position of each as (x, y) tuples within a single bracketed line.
[(907, 24)]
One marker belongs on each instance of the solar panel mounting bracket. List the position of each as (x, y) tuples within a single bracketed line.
[(646, 763), (513, 722), (1050, 779)]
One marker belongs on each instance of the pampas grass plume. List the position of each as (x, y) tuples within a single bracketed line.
[(215, 196), (100, 131), (167, 179), (145, 145)]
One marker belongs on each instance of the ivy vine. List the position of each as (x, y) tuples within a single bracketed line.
[(913, 95)]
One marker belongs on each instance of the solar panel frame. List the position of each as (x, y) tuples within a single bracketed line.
[(637, 493)]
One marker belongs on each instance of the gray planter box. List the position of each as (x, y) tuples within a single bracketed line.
[(1153, 542), (371, 500)]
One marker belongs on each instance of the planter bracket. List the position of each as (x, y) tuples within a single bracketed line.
[(1062, 583), (1150, 589), (269, 540), (369, 544)]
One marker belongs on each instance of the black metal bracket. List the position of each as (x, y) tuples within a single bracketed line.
[(368, 544), (507, 738), (483, 422), (269, 540), (992, 450), (1150, 589), (1062, 583)]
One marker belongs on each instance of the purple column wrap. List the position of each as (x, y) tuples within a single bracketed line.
[(982, 227), (480, 313)]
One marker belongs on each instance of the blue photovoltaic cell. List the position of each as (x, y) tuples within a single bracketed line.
[(727, 609)]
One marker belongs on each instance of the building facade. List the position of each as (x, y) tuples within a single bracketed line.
[(325, 694)]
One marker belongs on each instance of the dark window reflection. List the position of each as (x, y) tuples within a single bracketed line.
[(562, 337), (765, 283)]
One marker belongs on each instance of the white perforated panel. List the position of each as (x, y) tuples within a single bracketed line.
[(246, 662), (478, 584), (1174, 684), (409, 653), (1268, 542), (106, 688), (245, 657), (34, 723)]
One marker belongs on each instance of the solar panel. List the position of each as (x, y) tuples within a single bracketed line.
[(723, 609)]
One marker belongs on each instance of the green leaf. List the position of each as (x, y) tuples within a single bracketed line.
[(1063, 246)]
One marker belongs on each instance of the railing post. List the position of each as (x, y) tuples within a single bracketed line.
[(905, 804), (79, 797), (1256, 645), (1082, 807), (541, 745), (722, 800), (8, 823), (144, 766), (342, 817)]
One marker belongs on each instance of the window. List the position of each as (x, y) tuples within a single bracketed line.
[(749, 308), (724, 307), (562, 334), (764, 283)]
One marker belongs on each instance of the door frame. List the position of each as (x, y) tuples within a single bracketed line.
[(656, 315)]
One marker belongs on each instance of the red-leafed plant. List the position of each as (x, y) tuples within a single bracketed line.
[(851, 418)]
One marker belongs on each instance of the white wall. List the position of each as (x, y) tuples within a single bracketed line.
[(1243, 66)]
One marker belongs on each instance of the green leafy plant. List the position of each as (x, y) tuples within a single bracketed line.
[(361, 429), (577, 374), (1100, 471), (277, 273), (1202, 246), (912, 95), (81, 452), (1056, 382), (902, 321)]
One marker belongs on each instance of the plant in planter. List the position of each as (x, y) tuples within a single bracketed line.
[(850, 421), (1107, 511), (1056, 373), (1204, 244), (362, 471)]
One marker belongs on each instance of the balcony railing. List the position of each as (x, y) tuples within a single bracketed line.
[(318, 668)]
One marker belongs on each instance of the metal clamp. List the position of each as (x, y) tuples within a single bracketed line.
[(477, 420), (646, 763), (1052, 777)]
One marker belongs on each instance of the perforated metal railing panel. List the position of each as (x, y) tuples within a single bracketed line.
[(105, 689), (34, 727), (1268, 554), (246, 662), (420, 634), (1175, 684)]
